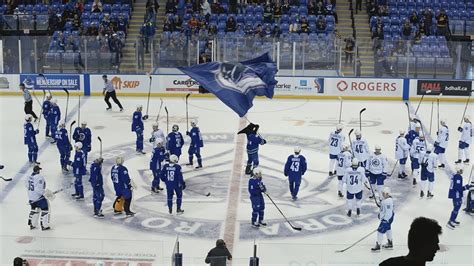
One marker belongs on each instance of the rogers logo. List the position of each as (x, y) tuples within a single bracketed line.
[(366, 86), (342, 85)]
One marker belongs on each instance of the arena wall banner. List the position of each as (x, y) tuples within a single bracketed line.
[(54, 81), (446, 87), (299, 86), (9, 83), (364, 87)]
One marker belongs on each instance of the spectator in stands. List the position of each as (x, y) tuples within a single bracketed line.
[(311, 8), (349, 50), (115, 46), (61, 41), (239, 31), (295, 27), (96, 7), (372, 8), (330, 11), (206, 9), (168, 25), (321, 24), (258, 33), (122, 24), (358, 6), (414, 19), (304, 25), (406, 30), (139, 46), (268, 31), (178, 22), (76, 22), (320, 10), (417, 37), (154, 4), (428, 21), (193, 23), (268, 12), (79, 6), (400, 48), (171, 7), (358, 67), (442, 23), (230, 24), (277, 12), (383, 10), (276, 31), (145, 33), (285, 8), (150, 15), (216, 7), (53, 22), (218, 255)]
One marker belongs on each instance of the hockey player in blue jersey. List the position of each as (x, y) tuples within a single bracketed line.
[(172, 176), (78, 169), (386, 218), (84, 135), (195, 145), (465, 140), (295, 168), (30, 139), (174, 141), (256, 188), (428, 165), (123, 187), (54, 119), (253, 142), (157, 159), (413, 133), (47, 107), (64, 146), (36, 186), (138, 128), (456, 191), (97, 182)]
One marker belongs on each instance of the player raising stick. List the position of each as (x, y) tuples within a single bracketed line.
[(344, 160), (428, 165), (441, 143), (402, 149), (336, 140), (195, 145), (360, 148), (386, 218), (465, 140)]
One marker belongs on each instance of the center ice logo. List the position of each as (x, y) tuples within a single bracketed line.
[(204, 216)]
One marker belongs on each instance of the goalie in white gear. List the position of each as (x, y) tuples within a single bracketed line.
[(417, 151), (354, 178), (386, 218), (465, 141), (377, 168), (402, 150), (344, 160), (336, 140), (428, 165), (157, 133), (360, 148), (36, 186), (441, 143)]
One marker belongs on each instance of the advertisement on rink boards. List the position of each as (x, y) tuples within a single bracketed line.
[(446, 87), (52, 81), (9, 82), (299, 86), (366, 87)]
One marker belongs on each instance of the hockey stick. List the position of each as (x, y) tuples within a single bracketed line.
[(408, 112), (187, 117), (342, 250), (159, 111), (350, 140), (465, 109), (79, 111), (419, 103), (431, 116), (70, 131), (6, 179), (340, 109), (41, 75), (360, 118), (42, 108), (100, 141), (470, 176), (373, 194), (422, 130), (67, 104), (276, 206), (437, 102), (145, 117), (167, 121), (394, 167), (199, 193)]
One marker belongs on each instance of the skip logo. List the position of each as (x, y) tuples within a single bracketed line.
[(119, 83)]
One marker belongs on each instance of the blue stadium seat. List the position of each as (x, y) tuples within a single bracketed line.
[(285, 19), (222, 18), (394, 21), (258, 19), (330, 19), (293, 10), (249, 19), (258, 9), (240, 18), (303, 11), (249, 10), (285, 27)]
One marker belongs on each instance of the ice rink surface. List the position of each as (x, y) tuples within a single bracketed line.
[(77, 238)]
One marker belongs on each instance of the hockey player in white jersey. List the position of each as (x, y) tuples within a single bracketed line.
[(386, 218), (344, 160), (336, 140), (441, 143), (428, 165), (36, 186), (402, 149), (416, 154), (465, 141), (360, 148), (354, 178), (157, 133), (377, 168)]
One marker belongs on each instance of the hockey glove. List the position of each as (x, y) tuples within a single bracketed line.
[(152, 139), (187, 133), (460, 129), (264, 142), (183, 186), (37, 131), (436, 143)]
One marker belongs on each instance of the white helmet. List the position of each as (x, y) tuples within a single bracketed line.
[(119, 160), (345, 147), (55, 101), (417, 125), (357, 132), (386, 190), (159, 142), (467, 117), (297, 149), (28, 117), (62, 123), (442, 121), (339, 127), (84, 123), (193, 123), (257, 172), (173, 158), (78, 145), (155, 125), (355, 162), (378, 148), (49, 96), (429, 147), (458, 168), (139, 106), (402, 132)]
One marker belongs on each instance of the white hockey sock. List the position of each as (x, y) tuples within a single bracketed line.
[(332, 163), (349, 204), (423, 185), (442, 158), (415, 174), (358, 203), (430, 186), (460, 154), (339, 185), (379, 238), (33, 218), (44, 219), (389, 234), (379, 190), (401, 169)]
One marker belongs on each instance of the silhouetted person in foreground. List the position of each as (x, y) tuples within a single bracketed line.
[(218, 255), (422, 244)]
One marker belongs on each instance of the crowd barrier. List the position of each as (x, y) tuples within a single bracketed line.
[(288, 87)]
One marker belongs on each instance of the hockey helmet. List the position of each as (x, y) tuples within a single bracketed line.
[(78, 145), (173, 158), (119, 160), (297, 149), (159, 142), (28, 117), (175, 128), (355, 162), (257, 172)]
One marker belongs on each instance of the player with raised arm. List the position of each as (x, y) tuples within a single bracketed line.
[(54, 119), (441, 143), (256, 188), (386, 215), (456, 193), (123, 187), (64, 146), (172, 176), (84, 135), (295, 168), (413, 133), (97, 183), (174, 141), (47, 107), (377, 169), (254, 140), (428, 165), (30, 140), (416, 154), (360, 148), (465, 140), (402, 150), (195, 145), (78, 169), (354, 178), (158, 158), (336, 140), (138, 127), (157, 133), (36, 186), (344, 160)]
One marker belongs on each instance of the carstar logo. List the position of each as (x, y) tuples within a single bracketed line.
[(188, 83), (125, 84), (342, 85)]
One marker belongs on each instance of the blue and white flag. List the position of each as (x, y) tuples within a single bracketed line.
[(236, 84)]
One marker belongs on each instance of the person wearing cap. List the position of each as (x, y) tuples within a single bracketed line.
[(158, 157), (138, 127), (256, 188), (30, 140), (377, 168), (335, 141), (109, 92), (465, 141), (97, 182), (54, 118), (386, 215), (428, 165), (402, 149), (416, 154), (295, 168), (78, 169), (36, 187), (47, 107), (84, 135), (28, 101), (456, 191), (441, 143), (64, 146), (218, 255)]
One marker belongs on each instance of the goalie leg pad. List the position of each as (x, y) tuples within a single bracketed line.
[(33, 217), (44, 219)]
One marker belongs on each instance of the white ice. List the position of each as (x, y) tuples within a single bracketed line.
[(77, 238)]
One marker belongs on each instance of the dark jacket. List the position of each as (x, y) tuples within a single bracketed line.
[(218, 255)]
